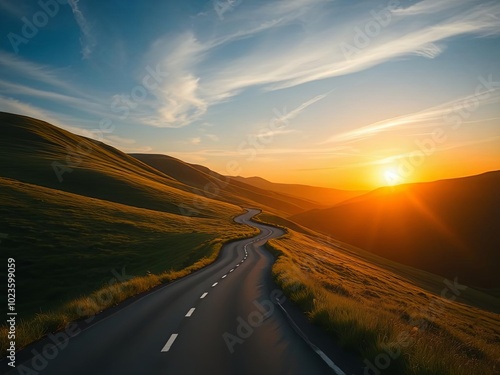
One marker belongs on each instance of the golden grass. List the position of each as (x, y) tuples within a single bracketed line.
[(374, 310), (72, 265), (31, 330)]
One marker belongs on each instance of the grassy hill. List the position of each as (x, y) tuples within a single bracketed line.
[(324, 197), (39, 153), (106, 215), (78, 237), (67, 245), (376, 306), (207, 182), (449, 227)]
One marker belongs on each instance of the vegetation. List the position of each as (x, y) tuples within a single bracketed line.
[(90, 254), (447, 227), (386, 311), (112, 227)]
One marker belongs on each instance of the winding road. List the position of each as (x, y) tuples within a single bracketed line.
[(223, 319)]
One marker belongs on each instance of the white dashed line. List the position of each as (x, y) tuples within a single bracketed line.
[(203, 295), (190, 312), (232, 270), (224, 276), (237, 265), (169, 343), (214, 284)]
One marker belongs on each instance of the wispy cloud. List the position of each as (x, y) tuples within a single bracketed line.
[(303, 153), (212, 137), (429, 117), (34, 71), (432, 6), (12, 105), (87, 39), (82, 104), (198, 81), (195, 140)]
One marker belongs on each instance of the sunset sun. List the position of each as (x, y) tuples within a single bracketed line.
[(391, 177)]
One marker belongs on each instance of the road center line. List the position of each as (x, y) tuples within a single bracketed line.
[(203, 295), (224, 276), (190, 312), (169, 343), (214, 284)]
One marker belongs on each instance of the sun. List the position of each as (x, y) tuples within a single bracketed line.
[(391, 177)]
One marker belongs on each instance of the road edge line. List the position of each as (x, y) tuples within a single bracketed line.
[(317, 350)]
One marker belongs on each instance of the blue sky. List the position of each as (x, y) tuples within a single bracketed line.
[(333, 93)]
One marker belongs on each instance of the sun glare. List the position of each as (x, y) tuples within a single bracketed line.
[(391, 177)]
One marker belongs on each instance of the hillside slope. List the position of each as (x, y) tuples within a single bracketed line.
[(216, 186), (39, 153), (449, 227), (66, 245), (326, 197), (70, 229)]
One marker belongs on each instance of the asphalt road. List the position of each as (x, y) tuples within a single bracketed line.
[(223, 319)]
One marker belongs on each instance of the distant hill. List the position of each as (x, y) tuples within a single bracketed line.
[(39, 153), (209, 183), (325, 197), (75, 212), (449, 227)]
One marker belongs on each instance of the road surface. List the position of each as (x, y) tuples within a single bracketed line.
[(223, 319)]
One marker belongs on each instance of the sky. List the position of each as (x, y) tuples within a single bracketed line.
[(345, 94)]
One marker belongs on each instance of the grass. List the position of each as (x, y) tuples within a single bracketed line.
[(373, 306), (74, 255)]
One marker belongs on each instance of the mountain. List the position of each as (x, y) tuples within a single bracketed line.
[(39, 153), (214, 185), (325, 197), (449, 227), (75, 213)]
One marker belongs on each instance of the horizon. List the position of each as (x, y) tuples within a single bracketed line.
[(379, 187), (313, 92)]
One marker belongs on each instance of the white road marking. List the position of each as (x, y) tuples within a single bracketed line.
[(190, 312), (224, 276), (237, 265), (169, 343), (203, 295), (318, 351), (214, 284), (232, 270)]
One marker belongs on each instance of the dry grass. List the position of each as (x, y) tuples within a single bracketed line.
[(370, 306), (41, 324), (64, 266)]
